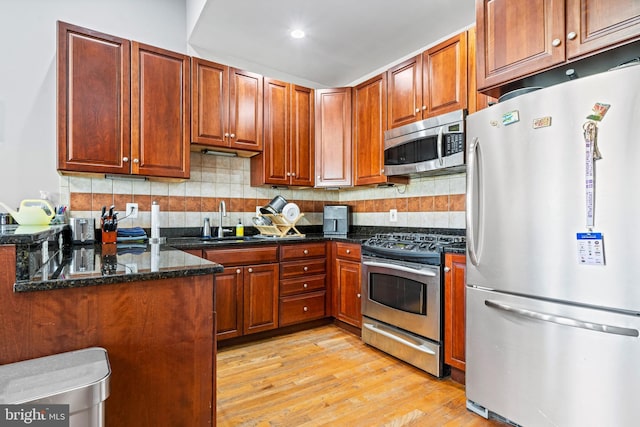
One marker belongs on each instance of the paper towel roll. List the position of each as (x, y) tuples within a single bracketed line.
[(155, 220)]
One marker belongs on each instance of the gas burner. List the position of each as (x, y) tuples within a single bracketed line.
[(417, 247)]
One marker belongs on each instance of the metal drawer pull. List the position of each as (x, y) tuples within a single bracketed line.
[(305, 309), (400, 268), (250, 270), (389, 335), (238, 271), (348, 251), (306, 252), (305, 268), (305, 285), (561, 320)]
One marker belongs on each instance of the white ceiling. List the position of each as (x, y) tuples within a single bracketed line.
[(346, 40)]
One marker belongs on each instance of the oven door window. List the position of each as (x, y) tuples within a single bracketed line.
[(398, 292)]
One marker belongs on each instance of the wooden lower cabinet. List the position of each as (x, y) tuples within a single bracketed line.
[(247, 290), (347, 278), (454, 314), (158, 335), (302, 282)]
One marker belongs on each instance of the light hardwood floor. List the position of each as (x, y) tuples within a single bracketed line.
[(328, 377)]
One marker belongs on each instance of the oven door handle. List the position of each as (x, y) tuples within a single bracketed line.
[(396, 338), (400, 268)]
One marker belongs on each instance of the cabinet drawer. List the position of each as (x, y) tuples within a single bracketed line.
[(302, 284), (350, 251), (304, 267), (302, 250), (301, 308), (243, 256)]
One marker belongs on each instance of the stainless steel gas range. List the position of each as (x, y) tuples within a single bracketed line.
[(402, 288)]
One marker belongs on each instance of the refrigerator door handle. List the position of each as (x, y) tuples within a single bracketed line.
[(470, 202), (561, 320)]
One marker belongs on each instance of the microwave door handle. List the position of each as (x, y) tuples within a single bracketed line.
[(400, 268), (440, 144)]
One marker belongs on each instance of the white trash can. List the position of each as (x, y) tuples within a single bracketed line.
[(79, 379)]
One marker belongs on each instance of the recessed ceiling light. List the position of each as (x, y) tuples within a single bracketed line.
[(297, 34)]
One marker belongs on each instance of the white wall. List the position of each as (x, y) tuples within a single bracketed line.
[(28, 76)]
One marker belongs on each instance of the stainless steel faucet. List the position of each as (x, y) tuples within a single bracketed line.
[(222, 209)]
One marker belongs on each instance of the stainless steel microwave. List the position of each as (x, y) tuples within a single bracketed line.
[(432, 146)]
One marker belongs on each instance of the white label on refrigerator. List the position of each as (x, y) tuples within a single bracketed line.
[(590, 248)]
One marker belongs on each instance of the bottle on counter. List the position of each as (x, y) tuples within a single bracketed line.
[(239, 229)]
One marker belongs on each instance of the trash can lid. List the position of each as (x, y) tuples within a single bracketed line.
[(35, 379)]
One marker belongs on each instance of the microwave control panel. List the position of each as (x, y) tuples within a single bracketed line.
[(454, 143)]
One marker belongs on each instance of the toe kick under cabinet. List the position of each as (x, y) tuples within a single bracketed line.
[(302, 282)]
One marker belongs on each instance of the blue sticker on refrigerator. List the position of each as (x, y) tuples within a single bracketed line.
[(590, 248)]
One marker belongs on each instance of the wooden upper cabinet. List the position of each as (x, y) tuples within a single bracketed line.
[(227, 107), (333, 162), (160, 112), (123, 107), (444, 77), (429, 84), (597, 24), (209, 102), (518, 38), (369, 118), (404, 97), (302, 136), (94, 88), (476, 100), (288, 152)]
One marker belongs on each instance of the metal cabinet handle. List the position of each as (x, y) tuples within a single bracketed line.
[(306, 251), (233, 135), (447, 269), (226, 134), (293, 174), (305, 308), (250, 270), (305, 268), (572, 35), (136, 161), (358, 295), (556, 42), (305, 285), (417, 110), (348, 251), (424, 107), (562, 320), (238, 271), (125, 159)]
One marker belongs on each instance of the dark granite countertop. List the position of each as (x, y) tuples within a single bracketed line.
[(28, 234), (109, 264)]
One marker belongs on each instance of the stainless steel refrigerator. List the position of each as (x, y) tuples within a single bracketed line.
[(553, 255)]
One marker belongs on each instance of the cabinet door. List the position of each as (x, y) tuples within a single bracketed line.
[(333, 138), (444, 77), (517, 38), (228, 300), (260, 298), (160, 112), (245, 110), (369, 118), (209, 103), (347, 279), (404, 94), (276, 152), (454, 311), (302, 136), (476, 101), (94, 133), (597, 24)]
